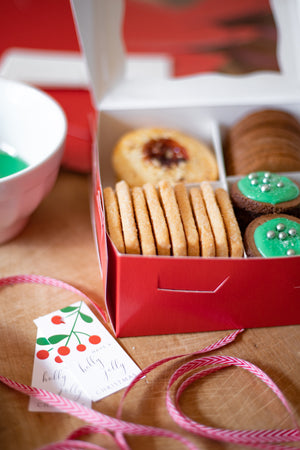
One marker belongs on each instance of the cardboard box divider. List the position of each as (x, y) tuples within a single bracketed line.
[(160, 295)]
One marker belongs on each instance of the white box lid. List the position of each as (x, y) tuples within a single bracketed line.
[(99, 25)]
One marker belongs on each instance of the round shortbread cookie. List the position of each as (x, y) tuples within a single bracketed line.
[(154, 154), (234, 237), (113, 219), (129, 228), (207, 242), (170, 206), (158, 220), (215, 218), (186, 213), (143, 222)]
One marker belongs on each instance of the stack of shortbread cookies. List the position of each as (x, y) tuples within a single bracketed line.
[(172, 220)]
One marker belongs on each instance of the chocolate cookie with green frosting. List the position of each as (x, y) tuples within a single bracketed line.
[(264, 193), (273, 235)]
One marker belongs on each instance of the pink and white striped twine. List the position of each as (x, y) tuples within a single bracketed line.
[(116, 428)]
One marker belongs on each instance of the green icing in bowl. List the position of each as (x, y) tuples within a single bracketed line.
[(10, 164)]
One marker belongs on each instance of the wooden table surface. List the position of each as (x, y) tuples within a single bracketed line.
[(58, 242)]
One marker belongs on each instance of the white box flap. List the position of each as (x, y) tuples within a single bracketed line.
[(99, 25), (286, 14)]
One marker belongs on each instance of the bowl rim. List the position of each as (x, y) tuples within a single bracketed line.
[(60, 110)]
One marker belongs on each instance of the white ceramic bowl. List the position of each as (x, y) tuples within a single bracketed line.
[(33, 124)]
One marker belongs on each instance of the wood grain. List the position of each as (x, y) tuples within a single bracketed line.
[(58, 242)]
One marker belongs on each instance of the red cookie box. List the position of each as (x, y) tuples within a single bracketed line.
[(163, 295)]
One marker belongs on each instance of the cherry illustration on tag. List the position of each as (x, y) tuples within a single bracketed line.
[(64, 339)]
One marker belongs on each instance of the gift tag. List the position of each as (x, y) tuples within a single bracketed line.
[(73, 338)]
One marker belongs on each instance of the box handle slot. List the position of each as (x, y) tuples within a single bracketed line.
[(197, 291)]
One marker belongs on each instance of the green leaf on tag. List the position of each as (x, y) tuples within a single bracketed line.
[(57, 338), (42, 341), (69, 308), (86, 318)]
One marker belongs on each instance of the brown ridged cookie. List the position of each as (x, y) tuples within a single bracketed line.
[(264, 117), (264, 140), (268, 131), (268, 154)]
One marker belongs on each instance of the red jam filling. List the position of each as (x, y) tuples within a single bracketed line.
[(165, 150)]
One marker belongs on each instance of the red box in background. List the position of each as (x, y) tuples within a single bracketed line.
[(49, 26), (198, 36)]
